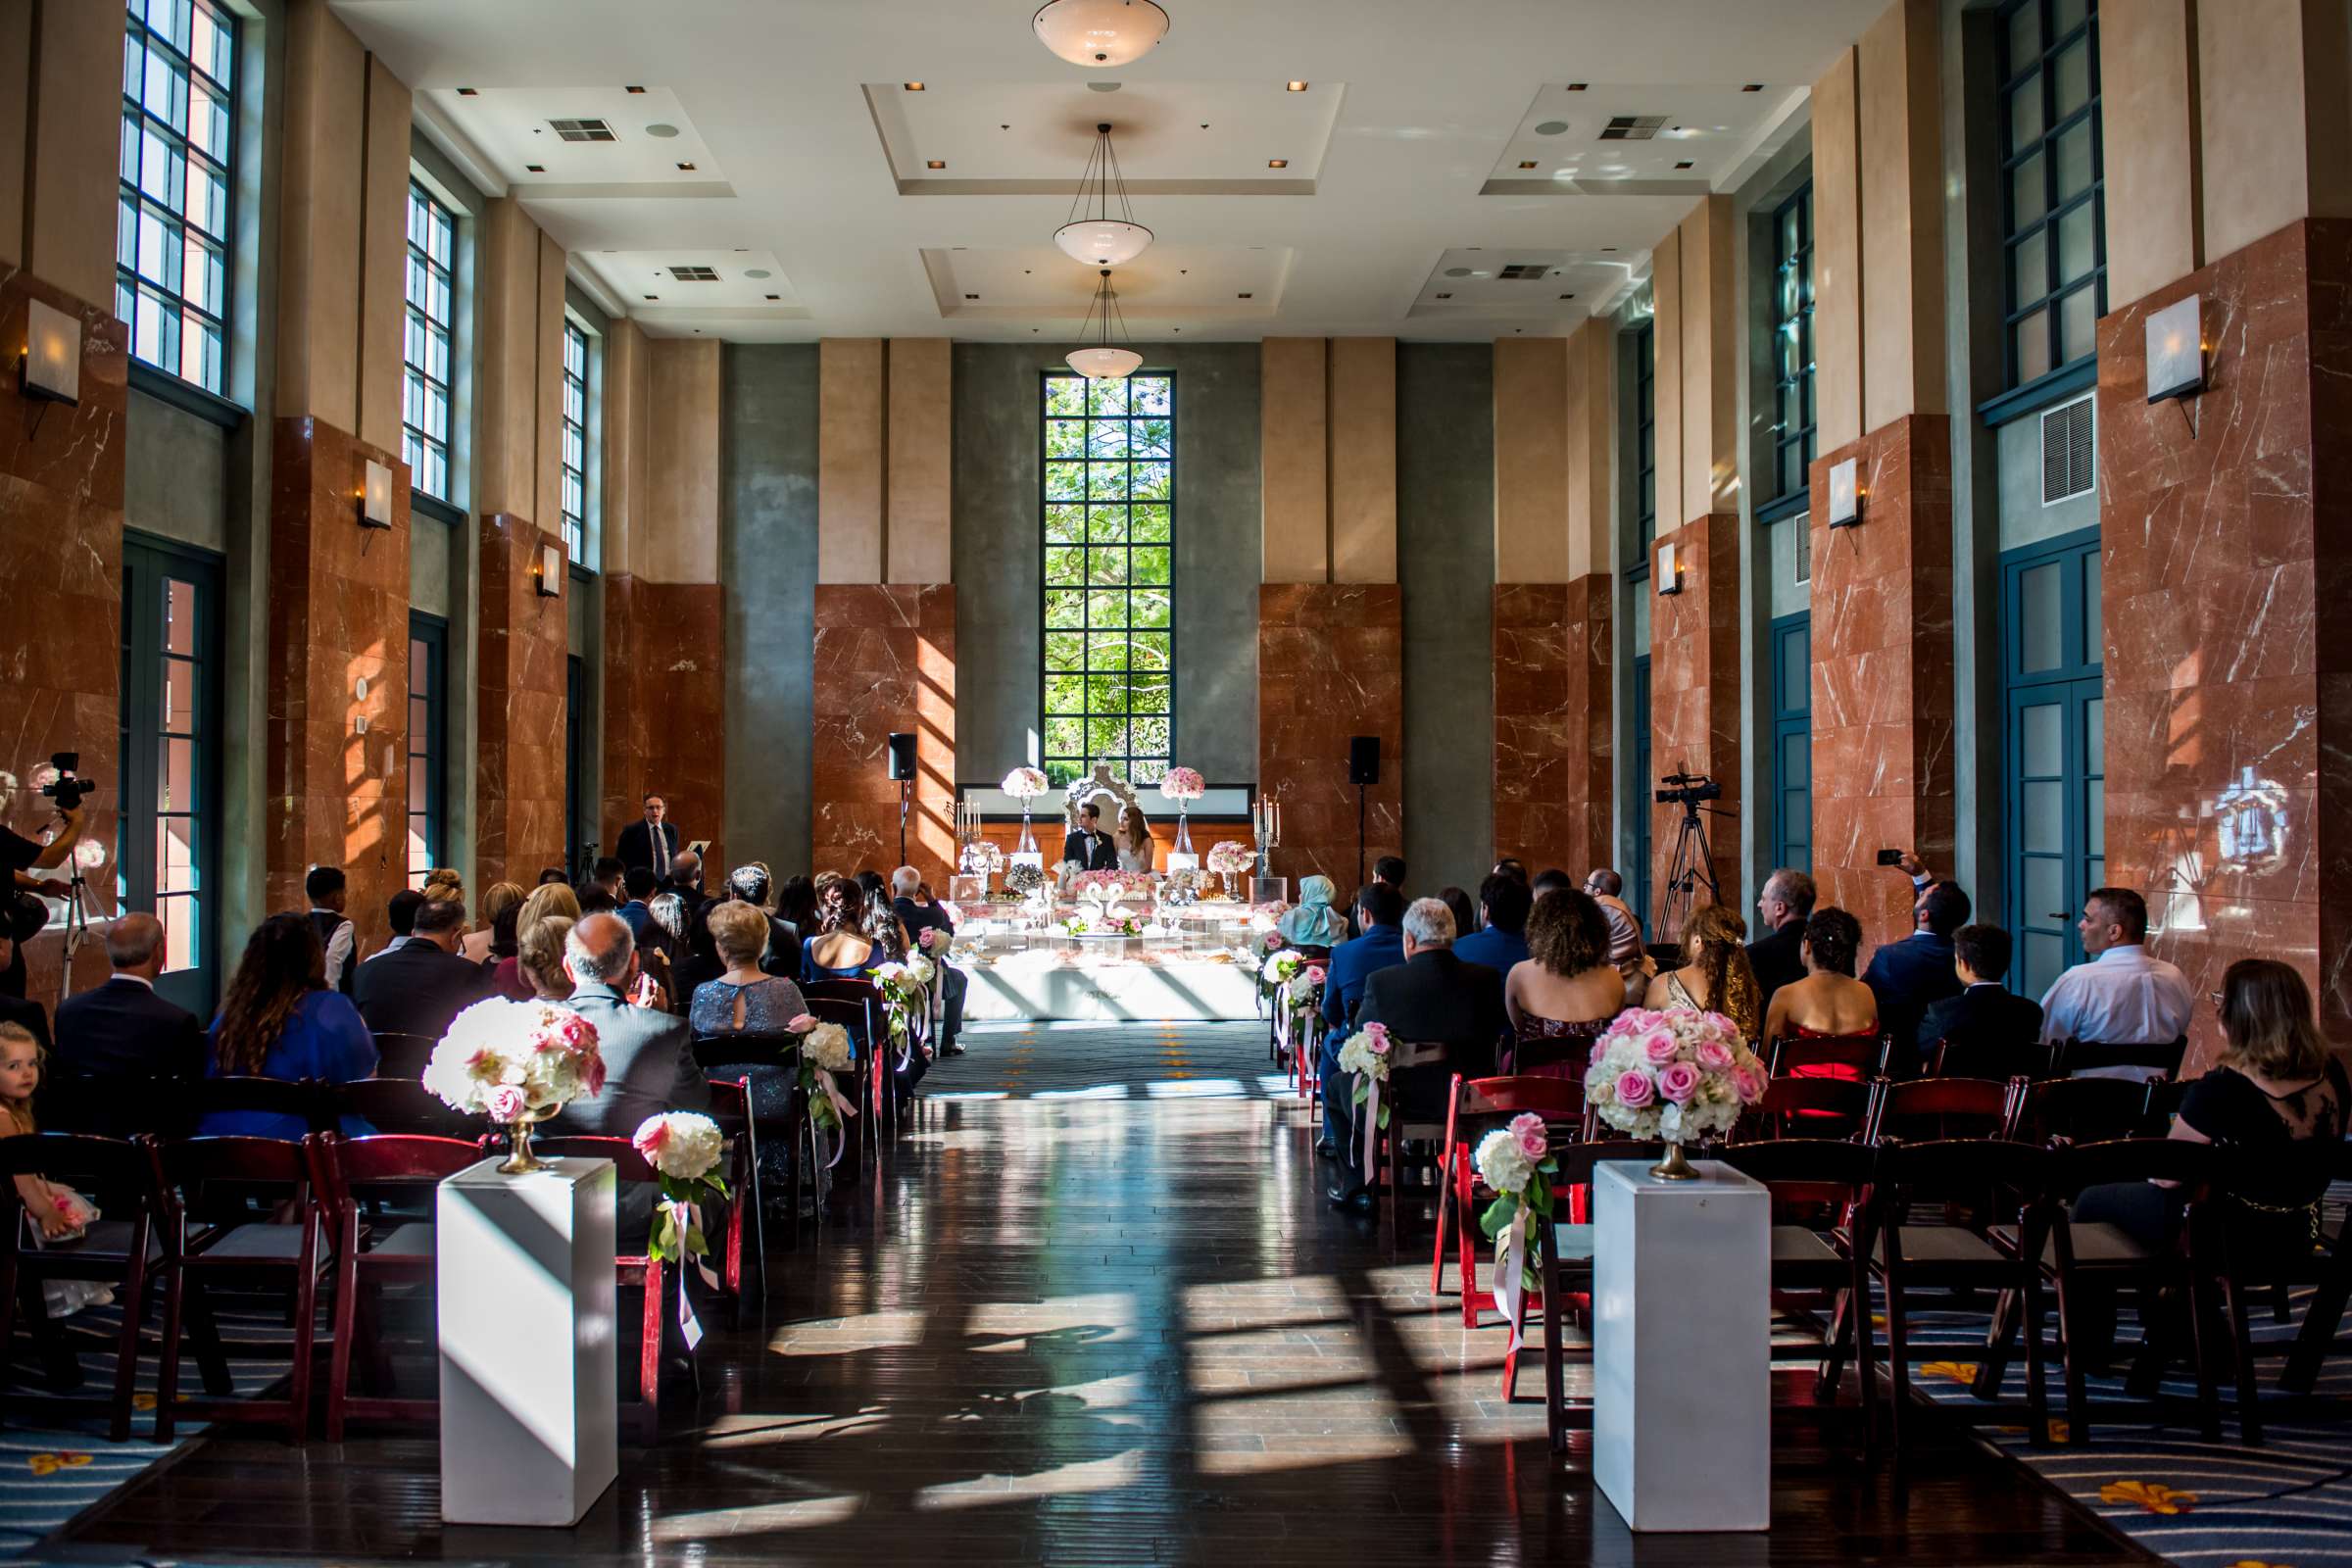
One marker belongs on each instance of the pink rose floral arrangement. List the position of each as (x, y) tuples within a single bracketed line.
[(516, 1060), (1516, 1162), (1679, 1075), (1183, 784)]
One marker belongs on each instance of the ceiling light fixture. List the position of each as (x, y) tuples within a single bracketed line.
[(1296, 86), (935, 162), (1102, 359), (1099, 32), (1527, 163), (913, 86), (686, 168), (634, 91), (1278, 162), (1102, 239)]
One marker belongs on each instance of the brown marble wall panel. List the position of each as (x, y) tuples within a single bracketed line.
[(885, 661), (666, 708), (1882, 769), (1330, 665), (338, 762), (1552, 754), (61, 590), (524, 638), (1694, 693), (2225, 520)]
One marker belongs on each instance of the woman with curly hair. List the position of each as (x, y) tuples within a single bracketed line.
[(1715, 976), (1829, 1001), (280, 1021), (1562, 995)]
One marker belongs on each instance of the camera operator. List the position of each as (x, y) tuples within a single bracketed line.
[(21, 857)]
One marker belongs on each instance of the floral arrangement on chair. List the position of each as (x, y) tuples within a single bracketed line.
[(1276, 972), (824, 1051), (684, 1148), (1024, 784), (905, 993), (1304, 993), (1678, 1075), (1183, 784), (1516, 1162), (517, 1064)]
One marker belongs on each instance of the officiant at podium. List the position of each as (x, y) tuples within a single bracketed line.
[(1088, 845)]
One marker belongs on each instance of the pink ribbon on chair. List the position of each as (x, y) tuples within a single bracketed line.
[(1371, 1126), (841, 1108)]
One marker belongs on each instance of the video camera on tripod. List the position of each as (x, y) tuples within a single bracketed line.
[(1688, 789), (65, 784)]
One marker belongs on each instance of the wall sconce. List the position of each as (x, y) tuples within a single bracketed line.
[(376, 497), (551, 571), (2175, 350), (50, 367), (1669, 572), (1846, 495)]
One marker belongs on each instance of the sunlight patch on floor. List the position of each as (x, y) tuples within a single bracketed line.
[(1107, 1474)]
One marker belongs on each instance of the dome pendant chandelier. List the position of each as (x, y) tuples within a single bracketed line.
[(1102, 359), (1103, 240), (1099, 32)]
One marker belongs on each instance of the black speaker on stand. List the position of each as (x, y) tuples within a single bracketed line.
[(902, 769), (1363, 772)]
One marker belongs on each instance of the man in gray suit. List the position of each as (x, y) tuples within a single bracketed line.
[(649, 1054)]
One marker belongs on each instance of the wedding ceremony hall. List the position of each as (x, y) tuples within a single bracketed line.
[(1156, 781)]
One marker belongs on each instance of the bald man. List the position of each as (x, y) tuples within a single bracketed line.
[(123, 1044), (649, 1054)]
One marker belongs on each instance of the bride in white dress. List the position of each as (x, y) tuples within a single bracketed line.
[(1132, 840)]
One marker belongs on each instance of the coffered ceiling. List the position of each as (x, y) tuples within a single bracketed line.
[(1448, 170)]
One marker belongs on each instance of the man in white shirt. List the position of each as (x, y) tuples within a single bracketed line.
[(2122, 997)]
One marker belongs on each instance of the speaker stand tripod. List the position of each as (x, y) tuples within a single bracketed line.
[(906, 802), (1360, 878)]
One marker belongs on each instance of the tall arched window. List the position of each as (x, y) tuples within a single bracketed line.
[(1108, 504)]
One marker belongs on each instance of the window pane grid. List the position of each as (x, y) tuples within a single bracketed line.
[(425, 353), (2053, 198), (1645, 438), (172, 219), (575, 442), (1107, 504), (1793, 427), (425, 765)]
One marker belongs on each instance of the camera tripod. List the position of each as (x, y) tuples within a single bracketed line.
[(77, 924), (1692, 868)]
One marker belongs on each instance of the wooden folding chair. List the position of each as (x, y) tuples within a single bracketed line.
[(640, 1271), (119, 1250), (1478, 1107)]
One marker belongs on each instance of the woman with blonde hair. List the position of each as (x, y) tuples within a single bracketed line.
[(1715, 976), (547, 901), (540, 958), (491, 939)]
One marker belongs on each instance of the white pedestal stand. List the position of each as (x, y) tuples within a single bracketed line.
[(529, 1388), (1681, 1340)]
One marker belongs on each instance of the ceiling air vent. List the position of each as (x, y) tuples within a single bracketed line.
[(2069, 459), (582, 130), (1523, 272), (692, 275), (1633, 127)]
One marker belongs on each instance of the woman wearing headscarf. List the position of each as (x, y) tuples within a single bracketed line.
[(1313, 923)]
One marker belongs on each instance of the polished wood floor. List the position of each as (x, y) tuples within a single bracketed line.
[(1101, 1331)]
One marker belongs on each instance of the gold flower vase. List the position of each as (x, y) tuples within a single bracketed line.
[(1675, 1168), (519, 1160)]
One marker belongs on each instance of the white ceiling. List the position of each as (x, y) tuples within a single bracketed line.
[(811, 160)]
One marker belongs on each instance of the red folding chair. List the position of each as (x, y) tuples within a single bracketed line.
[(731, 1108), (639, 1271), (1479, 1105)]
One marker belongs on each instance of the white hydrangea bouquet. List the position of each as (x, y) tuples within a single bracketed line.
[(1516, 1163), (517, 1064), (1365, 1055), (824, 1051), (684, 1147), (906, 991), (1679, 1075), (1277, 972)]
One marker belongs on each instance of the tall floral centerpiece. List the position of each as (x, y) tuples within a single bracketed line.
[(1677, 1075), (1231, 859), (1025, 784), (684, 1148), (1516, 1162), (517, 1064), (1183, 785)]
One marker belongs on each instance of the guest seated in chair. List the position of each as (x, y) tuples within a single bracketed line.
[(124, 1034), (928, 924), (1715, 976), (838, 950), (1313, 922), (649, 1054), (1783, 906), (420, 989), (280, 1021), (1829, 1002), (744, 1000), (2122, 995), (1501, 942), (1432, 999), (1912, 975), (1565, 989), (541, 959), (1988, 1030), (1380, 912), (2281, 1097)]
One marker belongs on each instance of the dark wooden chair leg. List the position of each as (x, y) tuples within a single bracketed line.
[(2321, 1319), (167, 1374), (204, 1331), (135, 1313)]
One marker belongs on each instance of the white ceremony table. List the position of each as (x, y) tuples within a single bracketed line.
[(1682, 1347), (530, 1413)]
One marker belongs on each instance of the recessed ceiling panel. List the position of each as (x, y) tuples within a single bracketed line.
[(671, 291), (1603, 138), (1167, 285), (1520, 282), (1231, 138), (575, 143)]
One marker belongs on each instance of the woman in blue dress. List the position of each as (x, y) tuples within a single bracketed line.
[(280, 1021)]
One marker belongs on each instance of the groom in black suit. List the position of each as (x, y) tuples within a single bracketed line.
[(1090, 847)]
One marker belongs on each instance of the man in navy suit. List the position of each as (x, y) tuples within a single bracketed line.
[(123, 1031), (1504, 901), (651, 842), (1988, 1031), (1911, 975), (1379, 914)]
